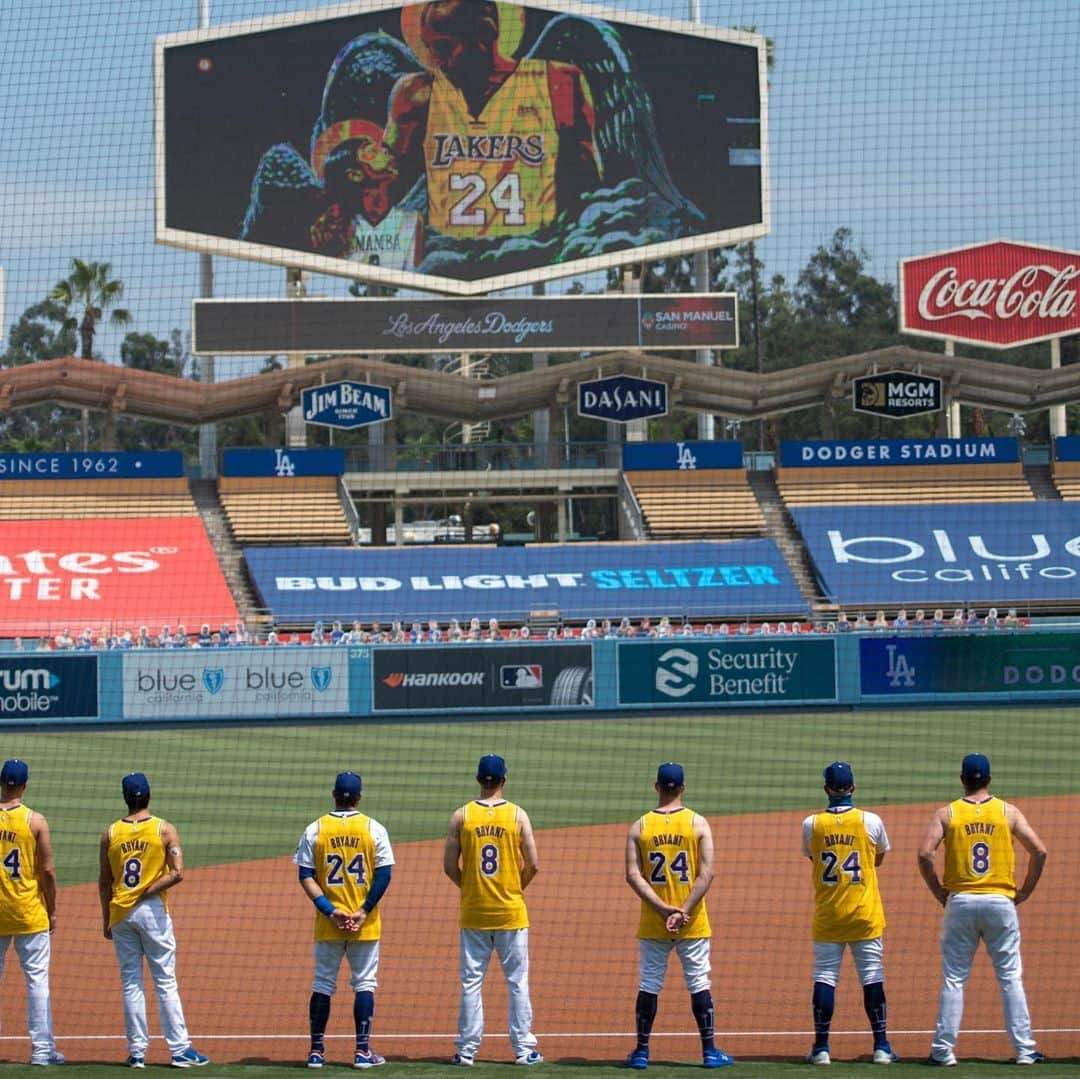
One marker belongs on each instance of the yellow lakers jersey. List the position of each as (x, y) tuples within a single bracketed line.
[(137, 859), (22, 910), (847, 903), (979, 849), (669, 862), (491, 893), (344, 864), (494, 174)]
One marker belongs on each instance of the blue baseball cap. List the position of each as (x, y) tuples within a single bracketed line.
[(348, 784), (838, 776), (670, 776), (134, 786), (975, 768), (14, 773), (491, 768)]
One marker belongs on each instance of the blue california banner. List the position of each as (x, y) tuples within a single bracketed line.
[(580, 581), (945, 555), (284, 462), (154, 464), (637, 456), (899, 451)]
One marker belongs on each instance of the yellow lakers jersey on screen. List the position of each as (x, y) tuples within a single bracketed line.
[(979, 849), (344, 864), (669, 862), (491, 894), (492, 175), (137, 859), (847, 903), (22, 910)]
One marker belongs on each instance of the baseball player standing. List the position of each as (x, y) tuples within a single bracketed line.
[(845, 846), (140, 860), (28, 904), (490, 854), (344, 862), (980, 897), (669, 865)]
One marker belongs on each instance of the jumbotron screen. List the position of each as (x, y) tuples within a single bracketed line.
[(460, 145)]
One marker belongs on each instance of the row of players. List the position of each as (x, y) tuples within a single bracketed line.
[(344, 865), (434, 633)]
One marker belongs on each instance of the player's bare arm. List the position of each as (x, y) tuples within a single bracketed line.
[(935, 834), (452, 849), (705, 874), (636, 879), (105, 882), (530, 863), (174, 862), (1036, 849), (46, 866)]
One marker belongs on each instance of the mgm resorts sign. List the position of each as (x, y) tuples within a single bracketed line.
[(896, 394)]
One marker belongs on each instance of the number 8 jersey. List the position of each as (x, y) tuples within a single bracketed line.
[(843, 845), (979, 849), (491, 892), (137, 859), (669, 862)]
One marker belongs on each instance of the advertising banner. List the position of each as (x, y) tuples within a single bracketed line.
[(622, 398), (852, 453), (283, 463), (896, 394), (553, 324), (482, 677), (1025, 662), (736, 672), (1067, 448), (374, 141), (998, 294), (999, 553), (122, 572), (43, 686), (346, 404), (717, 580), (154, 464), (640, 456), (220, 683)]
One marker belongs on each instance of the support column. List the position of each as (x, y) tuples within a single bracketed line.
[(295, 428), (1058, 425), (952, 420)]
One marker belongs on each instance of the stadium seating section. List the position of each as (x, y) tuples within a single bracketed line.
[(302, 510), (42, 500), (1067, 479), (705, 503)]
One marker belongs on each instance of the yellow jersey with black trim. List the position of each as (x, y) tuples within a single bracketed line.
[(979, 853), (22, 908), (136, 858), (491, 893), (492, 175), (847, 902), (670, 862), (344, 850)]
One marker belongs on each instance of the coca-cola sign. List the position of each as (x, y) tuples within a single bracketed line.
[(999, 294)]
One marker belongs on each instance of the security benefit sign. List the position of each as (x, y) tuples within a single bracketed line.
[(622, 398), (346, 404), (737, 672), (44, 686), (1004, 664), (1005, 553), (218, 683), (490, 677), (896, 394)]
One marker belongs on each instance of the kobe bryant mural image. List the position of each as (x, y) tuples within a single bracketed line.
[(469, 139)]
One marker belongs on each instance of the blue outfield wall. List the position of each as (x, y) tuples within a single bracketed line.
[(314, 684)]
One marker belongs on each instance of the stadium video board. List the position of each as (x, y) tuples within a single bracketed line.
[(460, 146)]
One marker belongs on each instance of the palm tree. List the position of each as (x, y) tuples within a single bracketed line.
[(90, 286)]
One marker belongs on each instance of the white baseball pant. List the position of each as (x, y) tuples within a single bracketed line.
[(868, 956), (970, 918), (363, 956), (34, 951), (512, 948), (147, 932), (693, 953)]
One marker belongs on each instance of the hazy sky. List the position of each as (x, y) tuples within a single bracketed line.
[(920, 126)]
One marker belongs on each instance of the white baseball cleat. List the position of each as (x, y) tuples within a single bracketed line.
[(818, 1056)]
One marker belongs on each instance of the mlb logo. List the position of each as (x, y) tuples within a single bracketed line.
[(521, 676)]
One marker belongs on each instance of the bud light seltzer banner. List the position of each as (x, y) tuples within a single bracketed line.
[(999, 294)]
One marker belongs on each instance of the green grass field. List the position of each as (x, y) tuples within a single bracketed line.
[(269, 781)]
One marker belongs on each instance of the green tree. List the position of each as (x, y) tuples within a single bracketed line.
[(91, 287)]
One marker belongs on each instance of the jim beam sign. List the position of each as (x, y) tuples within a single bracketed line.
[(998, 294), (896, 394)]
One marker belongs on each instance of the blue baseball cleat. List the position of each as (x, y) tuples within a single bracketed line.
[(715, 1058), (638, 1059), (189, 1058)]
